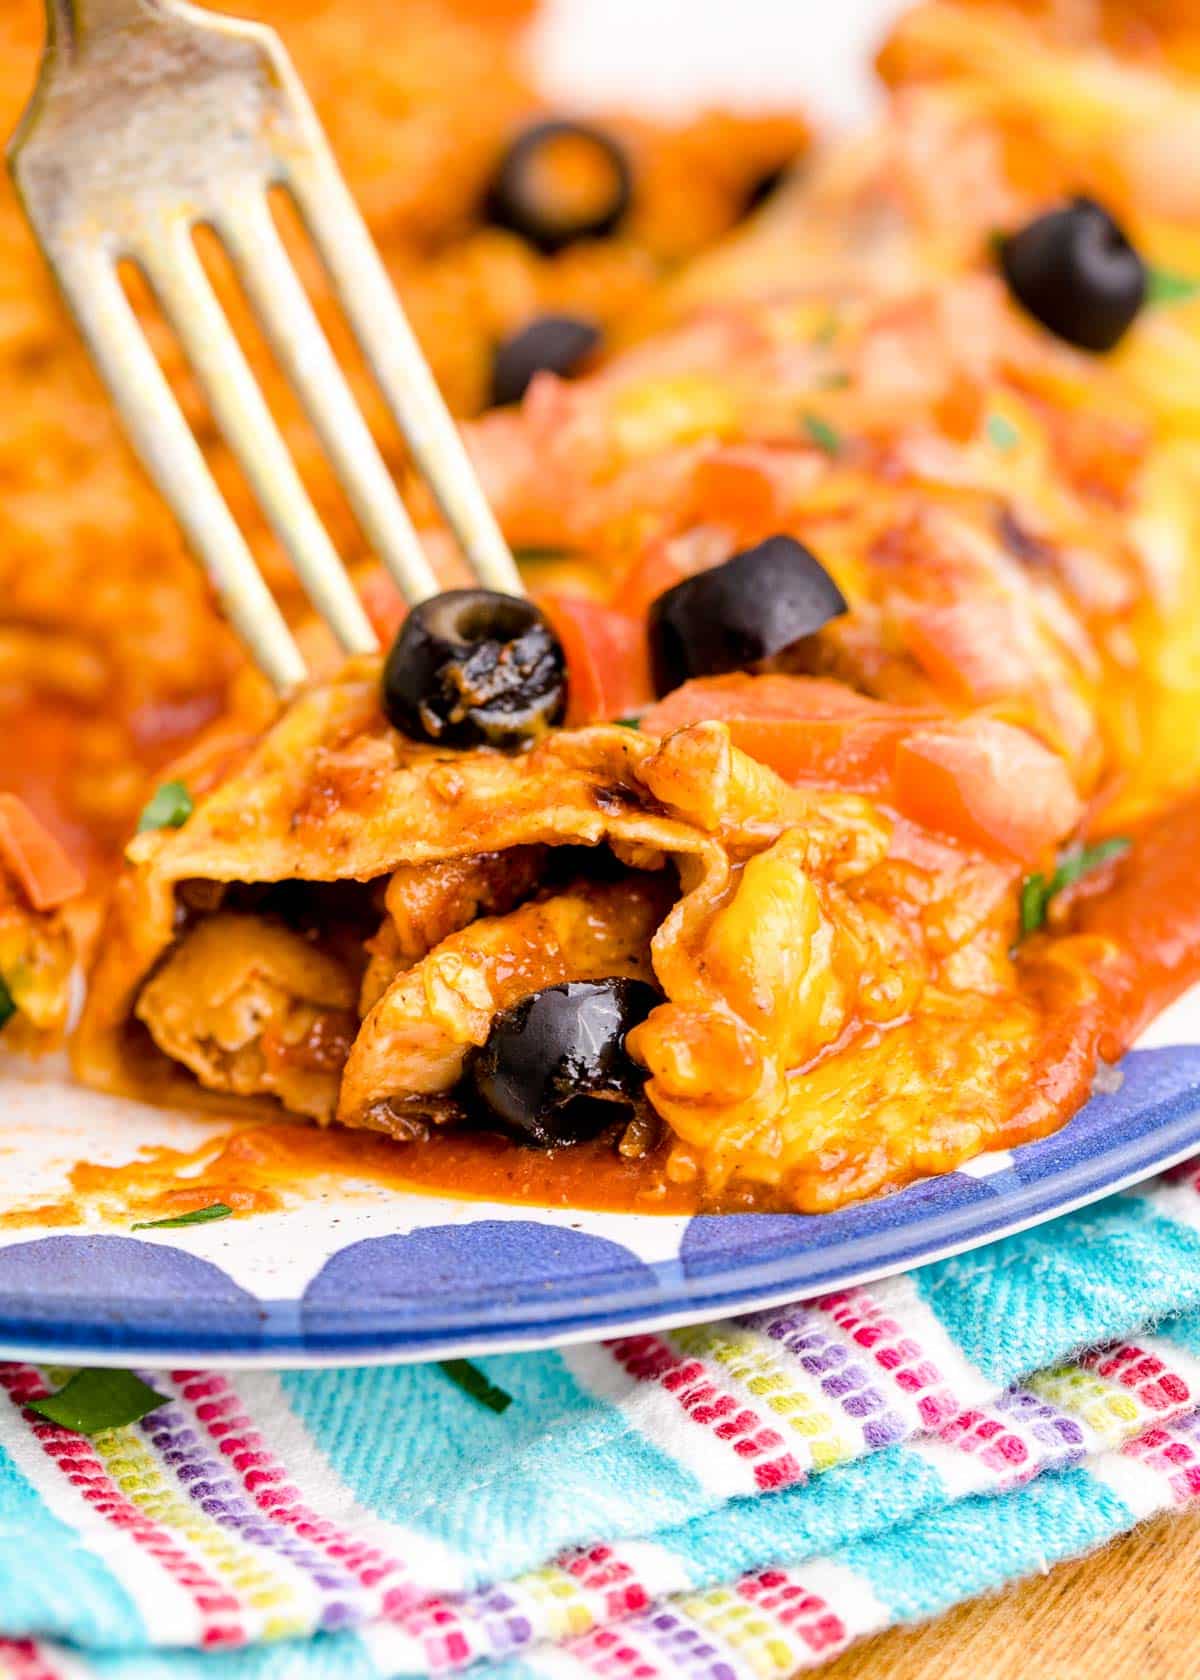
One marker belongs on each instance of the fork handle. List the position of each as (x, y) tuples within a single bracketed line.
[(72, 23)]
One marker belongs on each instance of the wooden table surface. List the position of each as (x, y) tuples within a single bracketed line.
[(1129, 1612)]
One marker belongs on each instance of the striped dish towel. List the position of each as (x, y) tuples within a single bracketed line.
[(729, 1502)]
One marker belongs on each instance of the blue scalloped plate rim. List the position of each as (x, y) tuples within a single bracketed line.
[(492, 1285)]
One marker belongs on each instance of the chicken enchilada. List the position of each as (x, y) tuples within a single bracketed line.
[(806, 832)]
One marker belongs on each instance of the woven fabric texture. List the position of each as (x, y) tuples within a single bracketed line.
[(724, 1502)]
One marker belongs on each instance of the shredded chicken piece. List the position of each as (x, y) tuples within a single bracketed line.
[(253, 1008), (426, 903)]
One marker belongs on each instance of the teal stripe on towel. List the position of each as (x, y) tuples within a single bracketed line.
[(981, 1544), (327, 1657), (507, 1490), (51, 1584), (814, 1516), (1183, 1330), (1034, 1298)]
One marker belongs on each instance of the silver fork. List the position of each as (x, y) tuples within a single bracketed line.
[(151, 118)]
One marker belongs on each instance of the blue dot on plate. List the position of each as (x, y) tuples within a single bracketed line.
[(713, 1243), (119, 1291), (487, 1272), (800, 1250)]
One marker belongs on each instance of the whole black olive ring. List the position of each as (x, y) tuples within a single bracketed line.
[(754, 605), (472, 668), (1074, 270), (550, 344), (525, 197), (554, 1069)]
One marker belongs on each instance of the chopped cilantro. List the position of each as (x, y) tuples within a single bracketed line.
[(7, 1007), (630, 722), (838, 380), (822, 434), (1035, 901), (96, 1400), (1002, 434), (538, 556), (198, 1216), (170, 807), (1166, 287), (1073, 865), (463, 1374)]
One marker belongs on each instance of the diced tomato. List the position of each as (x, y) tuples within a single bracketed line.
[(667, 561), (734, 488), (960, 407), (970, 649), (658, 570), (608, 667), (987, 784), (806, 728), (856, 755), (384, 604), (43, 870), (773, 697)]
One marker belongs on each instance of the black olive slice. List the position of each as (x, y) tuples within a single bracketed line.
[(555, 1069), (473, 668), (551, 344), (1074, 270), (755, 604), (559, 182)]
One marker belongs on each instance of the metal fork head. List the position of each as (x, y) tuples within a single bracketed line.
[(142, 103), (150, 118)]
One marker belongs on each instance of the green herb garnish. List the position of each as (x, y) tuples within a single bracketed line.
[(472, 1381), (630, 722), (7, 1007), (539, 556), (198, 1216), (1035, 901), (170, 807), (1165, 287), (827, 331), (1073, 865), (1002, 434), (838, 380), (822, 434), (96, 1400)]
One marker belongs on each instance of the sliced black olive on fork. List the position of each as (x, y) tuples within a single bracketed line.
[(550, 344), (559, 182), (554, 1069), (473, 667), (1074, 270), (754, 605)]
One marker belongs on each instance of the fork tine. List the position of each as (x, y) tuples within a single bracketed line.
[(379, 323), (291, 324), (173, 458), (172, 265)]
